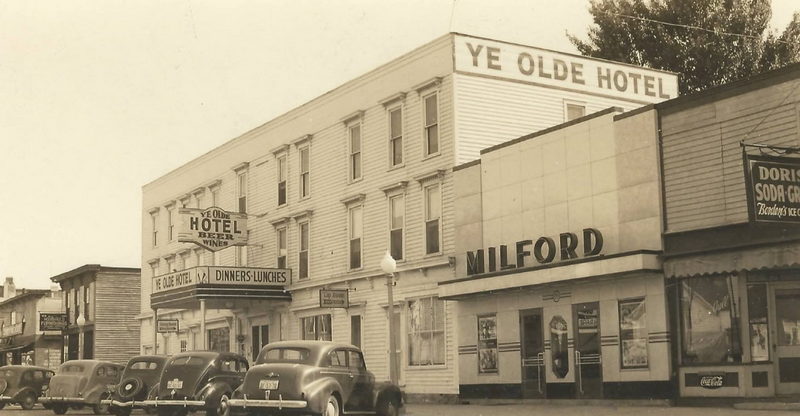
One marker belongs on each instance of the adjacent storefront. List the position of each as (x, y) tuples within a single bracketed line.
[(27, 332)]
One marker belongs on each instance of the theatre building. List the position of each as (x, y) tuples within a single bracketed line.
[(319, 195), (559, 288), (732, 236)]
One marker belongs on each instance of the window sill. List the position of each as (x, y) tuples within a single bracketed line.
[(432, 155), (396, 167), (422, 368)]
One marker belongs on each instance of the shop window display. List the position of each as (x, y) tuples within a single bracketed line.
[(633, 333), (487, 344), (759, 328), (709, 320)]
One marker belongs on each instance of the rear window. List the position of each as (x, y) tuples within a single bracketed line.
[(144, 365), (72, 368), (284, 355), (189, 361)]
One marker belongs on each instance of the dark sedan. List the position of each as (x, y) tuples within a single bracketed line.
[(318, 377), (141, 376), (22, 384)]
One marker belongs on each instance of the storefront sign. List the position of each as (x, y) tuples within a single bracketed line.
[(539, 66), (711, 381), (222, 275), (544, 250), (773, 188), (52, 321), (213, 228), (334, 299), (175, 280), (167, 326), (9, 330)]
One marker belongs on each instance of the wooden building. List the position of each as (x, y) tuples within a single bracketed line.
[(25, 337)]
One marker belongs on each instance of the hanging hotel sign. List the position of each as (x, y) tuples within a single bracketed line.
[(212, 228), (243, 277), (773, 188), (553, 69), (334, 298), (52, 321), (165, 326)]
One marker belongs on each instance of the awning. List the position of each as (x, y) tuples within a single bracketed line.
[(19, 342), (774, 257)]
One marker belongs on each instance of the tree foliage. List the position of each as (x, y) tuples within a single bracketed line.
[(708, 42)]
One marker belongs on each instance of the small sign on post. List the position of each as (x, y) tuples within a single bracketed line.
[(334, 298), (165, 326), (52, 321)]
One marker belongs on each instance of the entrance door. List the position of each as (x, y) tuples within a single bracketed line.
[(532, 345), (260, 337), (787, 348), (588, 367)]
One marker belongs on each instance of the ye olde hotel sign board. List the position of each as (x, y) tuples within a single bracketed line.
[(773, 185), (222, 276), (213, 228)]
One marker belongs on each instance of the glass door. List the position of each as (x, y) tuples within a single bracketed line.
[(588, 366), (787, 340), (532, 345)]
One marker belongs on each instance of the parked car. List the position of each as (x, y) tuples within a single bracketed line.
[(318, 377), (139, 378), (22, 384), (198, 380), (79, 383)]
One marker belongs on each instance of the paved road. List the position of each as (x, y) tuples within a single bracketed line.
[(506, 410)]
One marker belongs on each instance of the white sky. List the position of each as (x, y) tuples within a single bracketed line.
[(99, 97)]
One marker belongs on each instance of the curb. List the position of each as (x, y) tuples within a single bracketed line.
[(767, 406), (571, 402)]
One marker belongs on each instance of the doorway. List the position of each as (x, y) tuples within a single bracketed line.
[(787, 340), (588, 365), (532, 350), (260, 337)]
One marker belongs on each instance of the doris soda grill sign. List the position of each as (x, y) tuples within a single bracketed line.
[(213, 228), (773, 188)]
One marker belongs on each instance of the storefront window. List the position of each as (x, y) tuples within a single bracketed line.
[(633, 333), (426, 332), (219, 339), (487, 344), (709, 320), (757, 317), (788, 317), (317, 327)]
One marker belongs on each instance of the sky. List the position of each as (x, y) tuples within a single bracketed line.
[(99, 97)]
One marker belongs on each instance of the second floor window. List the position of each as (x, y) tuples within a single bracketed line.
[(356, 231), (433, 213), (303, 254), (355, 152), (396, 137), (170, 224), (154, 237), (431, 125), (397, 222), (241, 255), (304, 172), (282, 180), (281, 245), (242, 192)]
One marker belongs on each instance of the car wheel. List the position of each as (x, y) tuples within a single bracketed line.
[(130, 388), (2, 405), (59, 409), (99, 408), (388, 406), (28, 401), (121, 411), (332, 408), (222, 408)]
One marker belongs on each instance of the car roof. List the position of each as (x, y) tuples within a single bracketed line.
[(208, 354), (149, 358), (313, 346), (24, 367), (91, 363)]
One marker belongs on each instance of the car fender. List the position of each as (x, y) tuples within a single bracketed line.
[(213, 391), (318, 391), (23, 391), (94, 393), (381, 390)]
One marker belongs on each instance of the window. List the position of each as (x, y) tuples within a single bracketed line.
[(170, 264), (184, 345), (396, 136), (633, 333), (355, 330), (198, 200), (759, 322), (219, 339), (355, 359), (304, 172), (709, 320), (170, 224), (242, 191), (356, 231), (215, 197), (303, 254), (317, 327), (355, 152), (259, 337), (426, 332), (154, 221), (573, 111), (397, 221), (67, 308), (198, 258), (282, 180), (338, 358), (433, 212), (241, 255), (431, 125), (87, 296), (281, 244)]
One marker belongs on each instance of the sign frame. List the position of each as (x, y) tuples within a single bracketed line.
[(196, 227), (46, 324), (749, 161), (334, 298), (164, 326)]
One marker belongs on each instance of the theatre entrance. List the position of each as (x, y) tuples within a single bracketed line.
[(588, 366), (532, 350)]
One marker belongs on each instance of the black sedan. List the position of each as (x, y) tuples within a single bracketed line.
[(140, 376)]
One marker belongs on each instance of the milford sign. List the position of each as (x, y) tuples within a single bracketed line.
[(213, 228), (222, 276), (545, 250), (773, 188)]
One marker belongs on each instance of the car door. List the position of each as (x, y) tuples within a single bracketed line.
[(363, 381), (340, 371)]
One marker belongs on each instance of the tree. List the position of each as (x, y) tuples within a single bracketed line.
[(708, 42)]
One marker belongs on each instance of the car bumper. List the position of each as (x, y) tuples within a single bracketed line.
[(272, 404), (5, 399), (117, 403), (180, 403), (65, 400)]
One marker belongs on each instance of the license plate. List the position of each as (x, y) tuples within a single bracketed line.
[(267, 384), (111, 386), (175, 384)]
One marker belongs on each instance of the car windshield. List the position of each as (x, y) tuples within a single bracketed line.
[(189, 361), (72, 368), (284, 355), (144, 365)]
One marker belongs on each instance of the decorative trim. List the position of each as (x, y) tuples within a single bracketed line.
[(394, 187), (184, 199), (302, 139), (154, 260), (300, 214), (170, 204), (352, 116), (433, 82), (278, 221), (154, 210), (168, 256), (280, 149), (437, 174), (240, 167), (353, 199), (214, 184), (400, 96), (198, 191), (184, 251)]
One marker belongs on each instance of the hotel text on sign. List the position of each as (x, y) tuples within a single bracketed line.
[(540, 66), (213, 228), (243, 277)]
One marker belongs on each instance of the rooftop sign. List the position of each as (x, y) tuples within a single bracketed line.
[(222, 276), (212, 228), (555, 69)]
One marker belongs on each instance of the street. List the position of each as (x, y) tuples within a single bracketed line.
[(506, 410)]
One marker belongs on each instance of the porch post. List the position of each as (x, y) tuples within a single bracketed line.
[(203, 334)]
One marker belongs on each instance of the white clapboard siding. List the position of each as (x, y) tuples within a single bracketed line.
[(116, 334)]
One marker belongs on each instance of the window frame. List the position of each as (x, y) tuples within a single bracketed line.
[(154, 230), (241, 191), (573, 103), (281, 232), (281, 174), (426, 220), (317, 320), (304, 176), (391, 198), (393, 138), (630, 301), (351, 177), (350, 238), (408, 329), (171, 222), (303, 250), (425, 126)]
